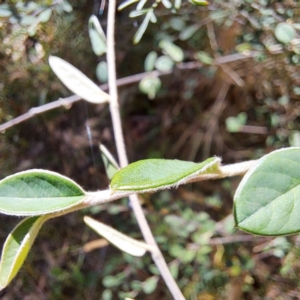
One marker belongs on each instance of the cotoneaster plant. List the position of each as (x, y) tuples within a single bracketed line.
[(267, 201)]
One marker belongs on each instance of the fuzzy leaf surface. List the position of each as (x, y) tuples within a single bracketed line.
[(267, 201), (17, 246), (155, 174), (120, 240), (37, 192)]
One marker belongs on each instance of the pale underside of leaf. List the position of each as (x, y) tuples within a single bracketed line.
[(17, 246), (120, 240), (267, 201), (156, 174), (37, 192), (110, 164), (77, 82)]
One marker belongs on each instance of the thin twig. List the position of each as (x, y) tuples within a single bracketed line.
[(115, 113), (68, 101)]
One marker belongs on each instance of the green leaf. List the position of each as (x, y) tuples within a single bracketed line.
[(204, 57), (140, 32), (150, 85), (155, 174), (267, 201), (111, 166), (164, 63), (45, 15), (172, 50), (17, 246), (177, 4), (150, 284), (102, 71), (150, 61), (77, 82), (97, 36), (199, 2), (188, 32), (5, 10), (126, 3), (36, 192), (120, 240), (234, 124), (284, 33)]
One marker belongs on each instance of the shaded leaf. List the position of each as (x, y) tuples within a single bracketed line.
[(37, 192), (17, 246), (150, 61), (120, 240), (188, 32), (110, 164), (77, 82), (267, 201), (155, 174)]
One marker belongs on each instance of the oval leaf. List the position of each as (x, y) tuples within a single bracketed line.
[(172, 50), (150, 85), (154, 174), (120, 240), (97, 36), (76, 81), (267, 201), (37, 192), (17, 246), (285, 32)]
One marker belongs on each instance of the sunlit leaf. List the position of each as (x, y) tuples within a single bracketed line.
[(45, 15), (137, 13), (102, 71), (172, 50), (267, 201), (204, 57), (141, 4), (155, 174), (120, 240), (150, 85), (177, 4), (111, 166), (5, 10), (139, 34), (199, 2), (164, 63), (150, 61), (97, 36), (150, 284), (76, 81), (285, 32), (167, 4), (126, 3), (37, 192), (17, 246), (234, 124)]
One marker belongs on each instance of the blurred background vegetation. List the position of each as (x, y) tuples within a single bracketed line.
[(233, 91)]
